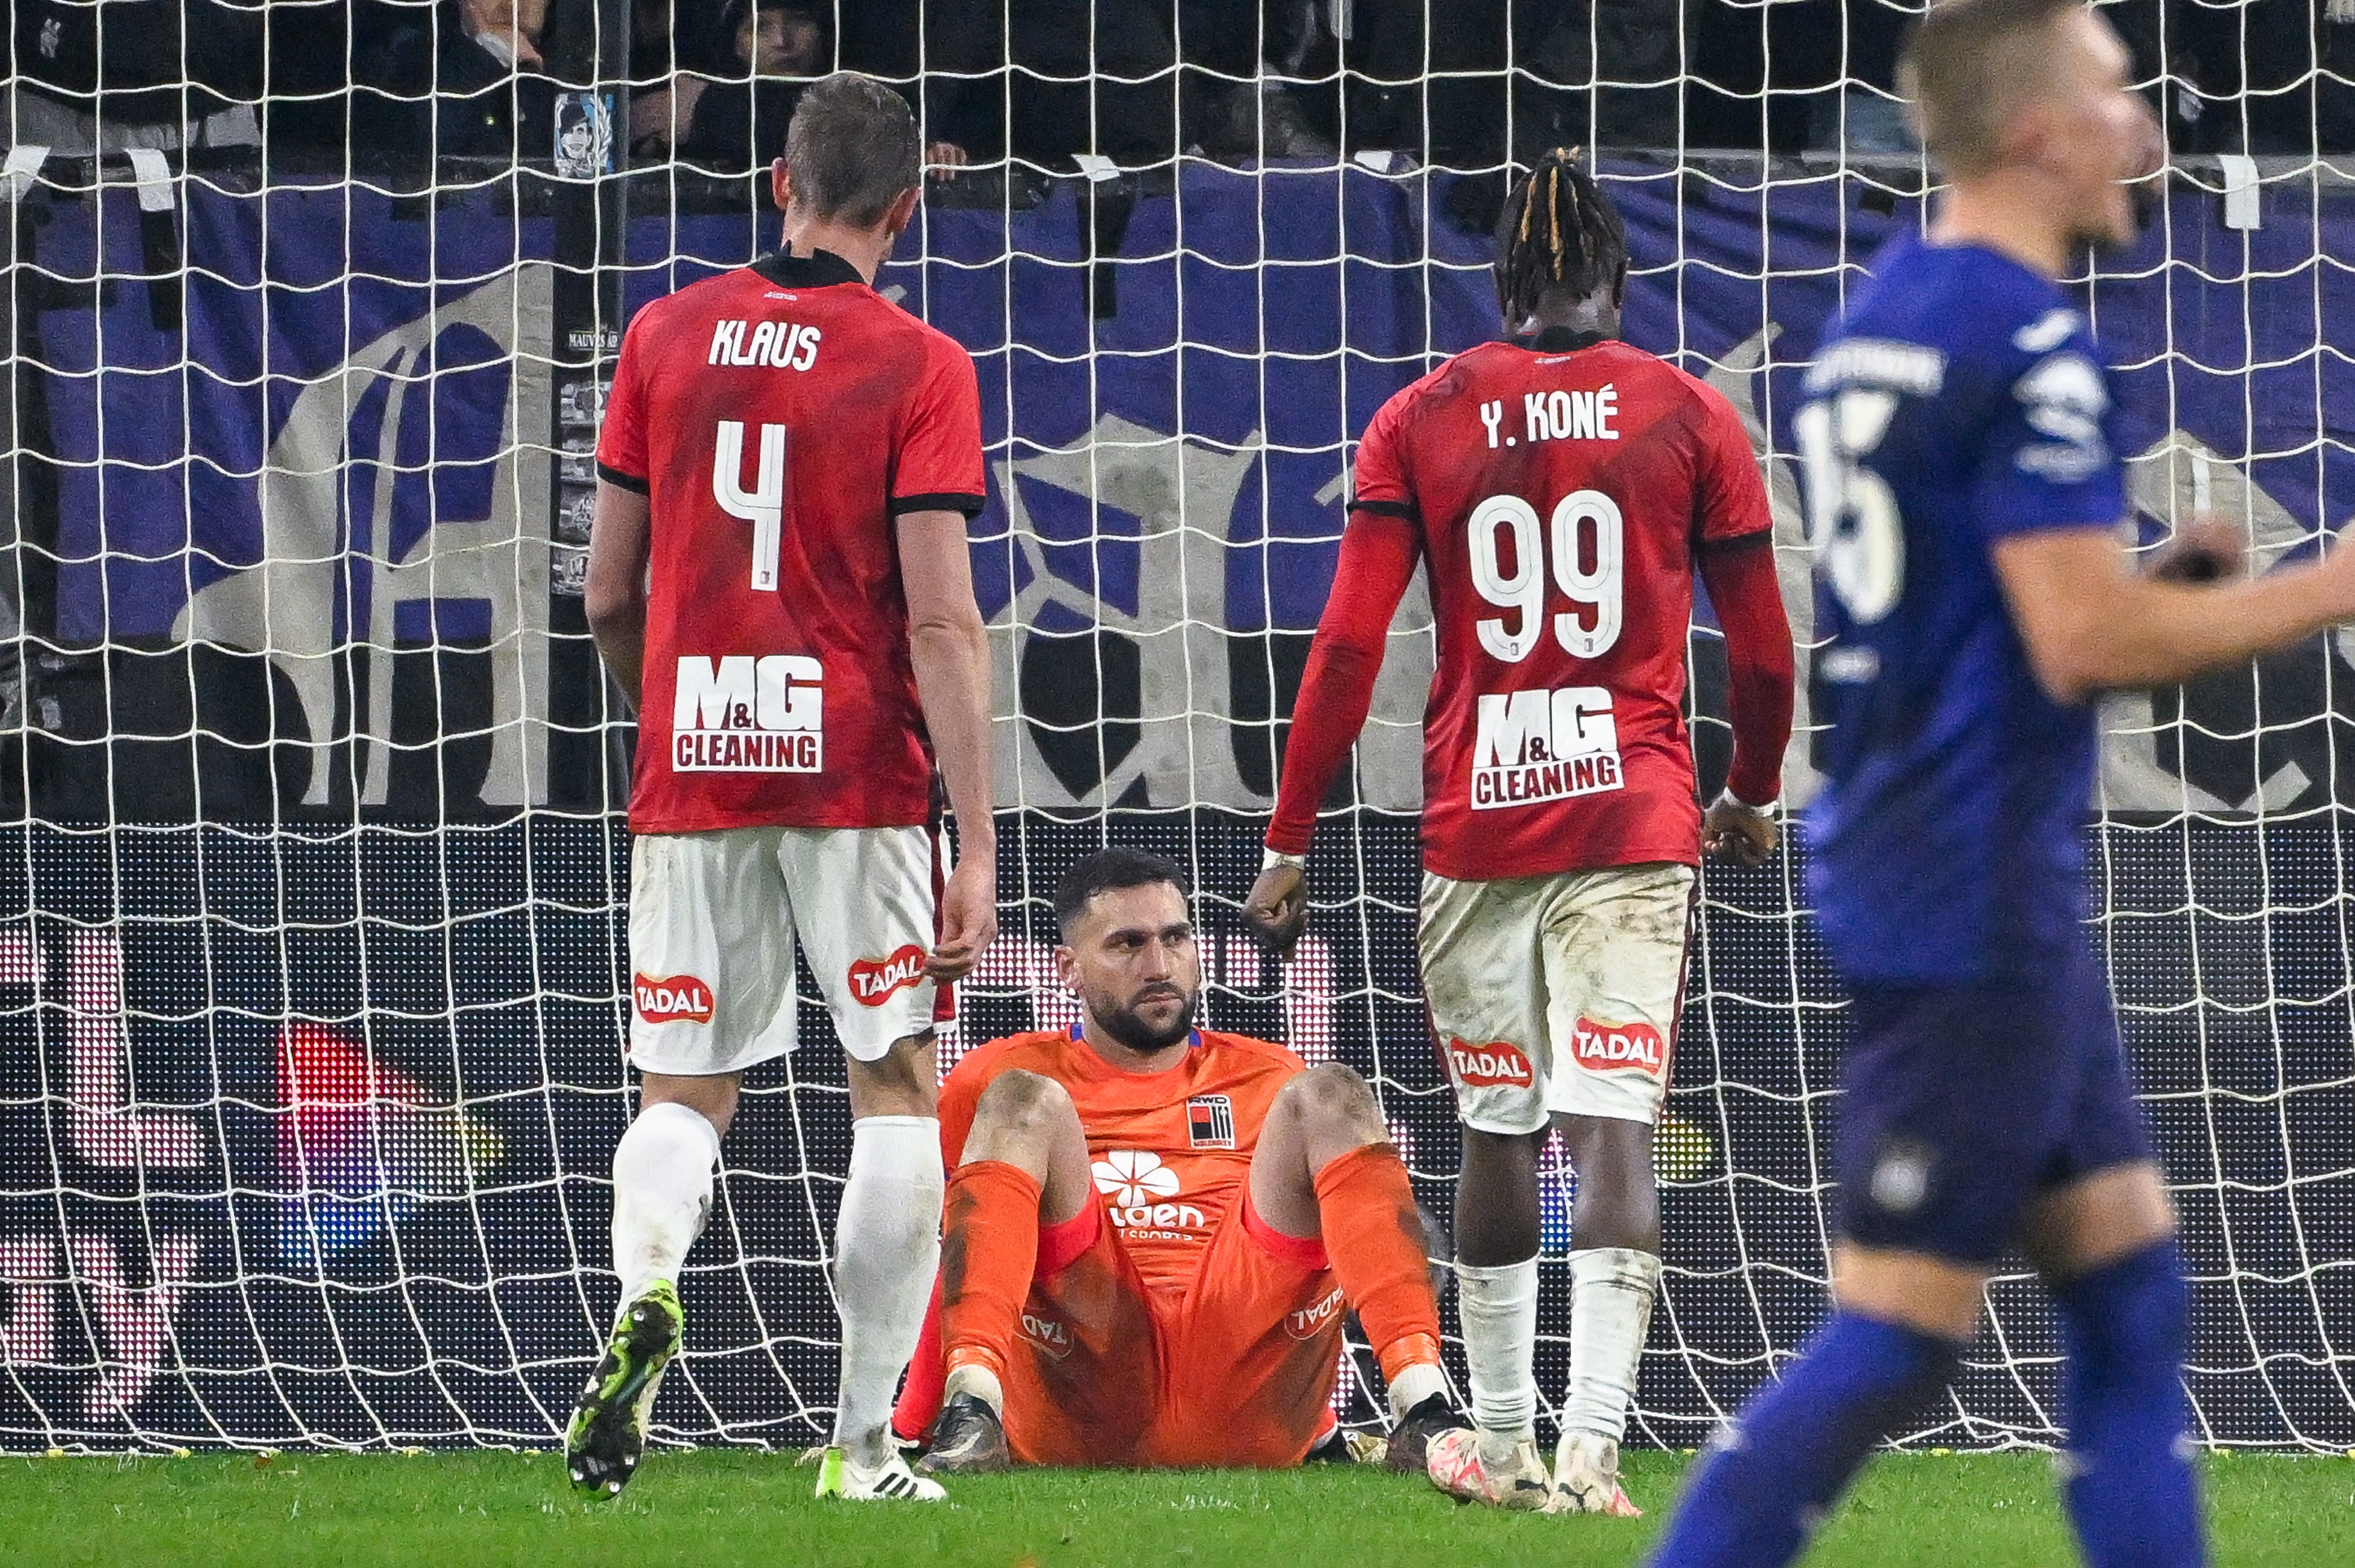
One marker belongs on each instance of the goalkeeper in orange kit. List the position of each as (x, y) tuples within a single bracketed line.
[(1153, 1231)]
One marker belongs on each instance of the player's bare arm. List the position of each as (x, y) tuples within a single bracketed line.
[(950, 649), (2092, 623), (1276, 908), (1738, 833), (615, 595)]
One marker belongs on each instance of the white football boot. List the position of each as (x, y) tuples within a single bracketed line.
[(1586, 1476), (1453, 1463), (891, 1481)]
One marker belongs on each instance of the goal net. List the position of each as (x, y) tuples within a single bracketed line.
[(312, 956)]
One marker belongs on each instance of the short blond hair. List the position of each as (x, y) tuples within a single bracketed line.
[(1968, 67), (852, 148)]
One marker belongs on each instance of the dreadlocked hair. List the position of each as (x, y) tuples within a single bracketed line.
[(1559, 234)]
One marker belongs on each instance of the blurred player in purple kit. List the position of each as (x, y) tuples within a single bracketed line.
[(1964, 497)]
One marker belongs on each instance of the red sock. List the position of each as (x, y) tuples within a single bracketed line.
[(920, 1392), (1374, 1236), (989, 1249)]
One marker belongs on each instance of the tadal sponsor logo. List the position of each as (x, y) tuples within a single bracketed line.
[(1609, 1048), (671, 999), (1307, 1322), (1139, 1186), (1050, 1338), (1490, 1066), (873, 980)]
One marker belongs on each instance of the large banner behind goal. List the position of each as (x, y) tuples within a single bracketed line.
[(311, 960)]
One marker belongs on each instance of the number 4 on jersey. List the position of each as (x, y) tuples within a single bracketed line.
[(764, 505)]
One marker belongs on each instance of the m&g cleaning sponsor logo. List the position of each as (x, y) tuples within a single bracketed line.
[(671, 999), (1534, 746), (746, 715)]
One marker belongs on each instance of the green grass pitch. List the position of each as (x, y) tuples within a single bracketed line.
[(719, 1508)]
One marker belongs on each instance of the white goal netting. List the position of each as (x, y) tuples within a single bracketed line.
[(311, 955)]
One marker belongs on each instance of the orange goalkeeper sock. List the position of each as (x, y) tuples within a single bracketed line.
[(989, 1248), (1374, 1236)]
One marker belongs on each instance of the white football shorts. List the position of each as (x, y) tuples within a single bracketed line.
[(712, 922), (1557, 995)]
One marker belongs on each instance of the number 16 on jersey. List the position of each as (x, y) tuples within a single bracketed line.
[(764, 505)]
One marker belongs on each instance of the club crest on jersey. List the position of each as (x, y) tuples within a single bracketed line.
[(746, 715), (1534, 746), (873, 980), (1210, 1121), (1617, 1048), (672, 999), (1307, 1322), (1494, 1065)]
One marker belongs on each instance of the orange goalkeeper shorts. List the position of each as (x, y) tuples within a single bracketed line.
[(1236, 1368)]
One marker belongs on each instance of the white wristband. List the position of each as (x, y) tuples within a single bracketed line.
[(1271, 858), (1727, 797)]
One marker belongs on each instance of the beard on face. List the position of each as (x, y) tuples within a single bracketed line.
[(1126, 1025)]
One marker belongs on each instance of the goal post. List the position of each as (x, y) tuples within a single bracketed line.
[(313, 965)]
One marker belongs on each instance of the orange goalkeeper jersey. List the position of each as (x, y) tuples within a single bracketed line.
[(1171, 1150)]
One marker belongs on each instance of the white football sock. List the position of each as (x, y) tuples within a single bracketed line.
[(887, 1248), (1611, 1293), (976, 1380), (1413, 1385), (1500, 1310), (662, 1193)]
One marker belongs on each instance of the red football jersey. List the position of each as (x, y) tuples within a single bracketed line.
[(780, 417), (1561, 496), (1171, 1150)]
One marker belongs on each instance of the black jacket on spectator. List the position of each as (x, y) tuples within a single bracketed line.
[(1132, 120), (740, 126), (439, 94), (151, 62)]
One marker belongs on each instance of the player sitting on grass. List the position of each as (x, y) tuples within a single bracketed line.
[(1965, 493), (1154, 1231)]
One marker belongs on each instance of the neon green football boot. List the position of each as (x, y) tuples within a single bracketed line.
[(607, 1436)]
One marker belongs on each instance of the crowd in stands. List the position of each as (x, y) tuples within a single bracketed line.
[(1461, 83)]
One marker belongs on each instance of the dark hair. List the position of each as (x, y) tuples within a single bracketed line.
[(852, 148), (1966, 66), (739, 12), (1108, 870), (1559, 231)]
